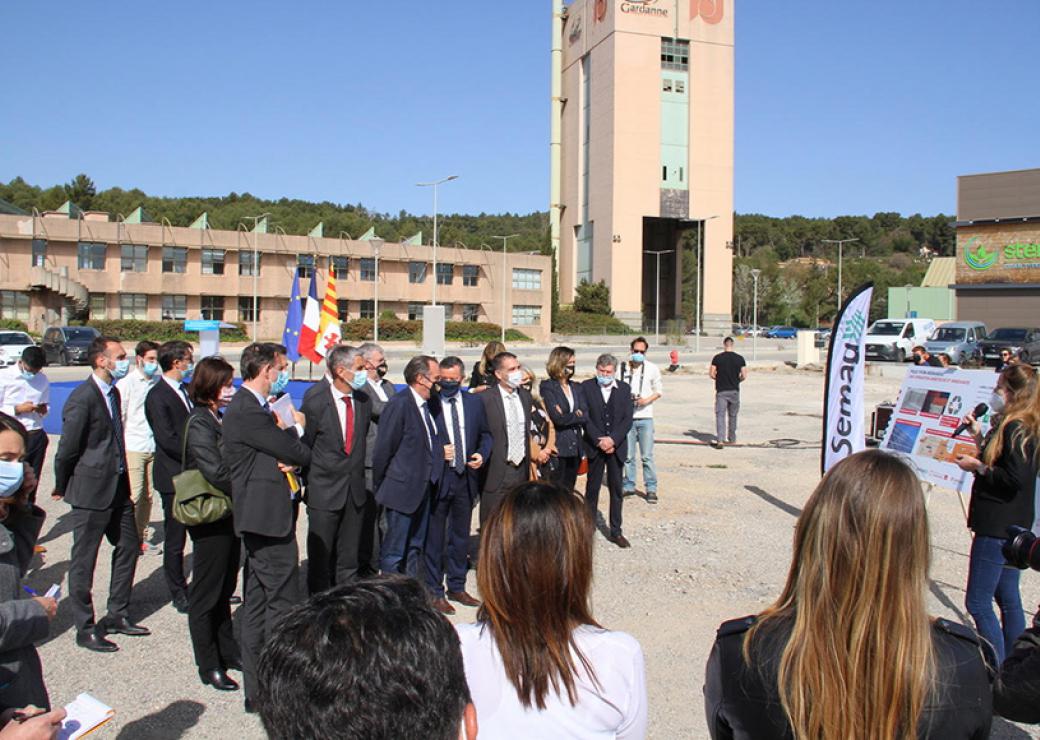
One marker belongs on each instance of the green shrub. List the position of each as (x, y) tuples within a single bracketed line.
[(569, 321), (391, 330), (160, 331), (592, 298), (13, 325)]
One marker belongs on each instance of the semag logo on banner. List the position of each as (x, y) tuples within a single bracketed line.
[(843, 397)]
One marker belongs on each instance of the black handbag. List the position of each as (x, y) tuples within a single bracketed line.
[(195, 500)]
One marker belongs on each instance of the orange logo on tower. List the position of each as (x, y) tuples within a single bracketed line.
[(710, 11), (601, 9)]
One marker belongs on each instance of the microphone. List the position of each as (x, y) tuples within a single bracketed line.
[(980, 410)]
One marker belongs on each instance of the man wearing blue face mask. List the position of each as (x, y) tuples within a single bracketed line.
[(166, 407), (140, 444), (25, 394), (338, 413), (644, 377), (90, 473)]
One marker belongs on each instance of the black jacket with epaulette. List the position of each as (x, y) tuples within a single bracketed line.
[(743, 701)]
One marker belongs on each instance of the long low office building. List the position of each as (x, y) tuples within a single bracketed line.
[(69, 264)]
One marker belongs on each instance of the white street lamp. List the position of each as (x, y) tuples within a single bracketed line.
[(754, 330), (376, 243), (505, 240), (701, 225), (657, 303), (840, 243), (256, 264), (434, 185)]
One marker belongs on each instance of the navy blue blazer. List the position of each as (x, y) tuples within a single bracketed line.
[(570, 424), (478, 439), (612, 419), (403, 465)]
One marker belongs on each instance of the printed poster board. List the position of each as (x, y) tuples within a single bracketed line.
[(931, 403)]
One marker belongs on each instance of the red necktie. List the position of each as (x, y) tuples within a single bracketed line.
[(348, 445)]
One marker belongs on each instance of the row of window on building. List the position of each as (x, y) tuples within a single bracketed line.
[(134, 307), (134, 258)]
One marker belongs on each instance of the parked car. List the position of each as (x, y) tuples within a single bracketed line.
[(958, 339), (11, 345), (895, 339), (821, 336), (1022, 341), (68, 344), (781, 332)]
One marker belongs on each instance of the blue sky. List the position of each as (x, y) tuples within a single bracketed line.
[(841, 107)]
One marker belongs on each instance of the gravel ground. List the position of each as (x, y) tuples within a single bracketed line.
[(716, 547)]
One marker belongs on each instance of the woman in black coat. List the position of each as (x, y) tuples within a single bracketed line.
[(483, 376), (568, 412), (216, 547)]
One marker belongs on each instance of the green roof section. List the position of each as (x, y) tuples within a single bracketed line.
[(261, 226), (368, 235), (202, 222), (11, 208), (138, 216), (318, 231), (413, 241), (70, 209)]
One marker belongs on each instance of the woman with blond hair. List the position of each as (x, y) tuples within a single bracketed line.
[(567, 410), (1002, 495), (483, 376), (542, 434), (537, 663), (848, 650)]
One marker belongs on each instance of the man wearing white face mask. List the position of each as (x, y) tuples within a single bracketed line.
[(24, 394), (90, 473), (140, 444), (508, 410)]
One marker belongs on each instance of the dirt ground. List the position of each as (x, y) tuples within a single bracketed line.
[(717, 546)]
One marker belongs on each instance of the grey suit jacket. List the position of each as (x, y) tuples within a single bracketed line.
[(86, 465), (373, 427), (496, 417)]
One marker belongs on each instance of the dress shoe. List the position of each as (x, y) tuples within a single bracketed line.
[(620, 541), (443, 606), (180, 602), (463, 598), (92, 640), (250, 707), (651, 497), (218, 680), (123, 626)]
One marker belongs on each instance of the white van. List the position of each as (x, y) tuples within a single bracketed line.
[(895, 339)]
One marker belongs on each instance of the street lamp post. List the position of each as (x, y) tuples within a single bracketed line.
[(700, 255), (657, 303), (376, 244), (754, 330), (434, 185), (256, 264), (505, 240), (840, 243)]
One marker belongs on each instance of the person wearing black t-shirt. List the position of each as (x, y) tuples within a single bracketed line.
[(728, 370)]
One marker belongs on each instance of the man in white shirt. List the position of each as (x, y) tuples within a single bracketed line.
[(645, 379), (25, 394), (140, 443)]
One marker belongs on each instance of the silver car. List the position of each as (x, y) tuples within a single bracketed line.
[(958, 339)]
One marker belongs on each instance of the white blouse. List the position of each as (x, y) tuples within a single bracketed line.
[(616, 709)]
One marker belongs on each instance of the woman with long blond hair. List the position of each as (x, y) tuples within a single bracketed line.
[(1002, 494), (848, 650), (537, 663), (483, 376)]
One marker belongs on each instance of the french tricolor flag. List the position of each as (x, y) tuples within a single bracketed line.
[(311, 320)]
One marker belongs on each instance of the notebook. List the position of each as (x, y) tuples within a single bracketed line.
[(84, 714)]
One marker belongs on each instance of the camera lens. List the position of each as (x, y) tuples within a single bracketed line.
[(1020, 548)]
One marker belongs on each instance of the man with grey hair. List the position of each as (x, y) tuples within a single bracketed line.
[(338, 416), (379, 391), (606, 440)]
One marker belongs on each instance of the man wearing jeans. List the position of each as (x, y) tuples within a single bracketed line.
[(728, 370), (644, 377), (140, 443)]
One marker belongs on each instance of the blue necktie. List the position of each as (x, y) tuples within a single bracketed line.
[(184, 392), (456, 428), (117, 425)]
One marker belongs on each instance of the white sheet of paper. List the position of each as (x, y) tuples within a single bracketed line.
[(284, 408), (82, 715), (54, 592)]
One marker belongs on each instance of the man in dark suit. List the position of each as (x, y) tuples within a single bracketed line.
[(407, 464), (606, 440), (260, 456), (339, 416), (167, 407), (379, 392), (467, 444), (90, 473), (508, 409)]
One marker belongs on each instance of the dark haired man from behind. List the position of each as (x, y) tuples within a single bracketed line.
[(728, 370), (24, 394), (372, 661)]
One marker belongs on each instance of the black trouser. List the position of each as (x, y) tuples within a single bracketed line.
[(513, 477), (173, 548), (272, 587), (116, 524), (34, 455), (371, 537), (213, 577), (614, 483), (566, 472), (333, 543)]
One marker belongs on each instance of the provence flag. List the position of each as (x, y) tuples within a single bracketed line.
[(293, 321)]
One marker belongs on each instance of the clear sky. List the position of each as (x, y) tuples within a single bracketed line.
[(842, 107)]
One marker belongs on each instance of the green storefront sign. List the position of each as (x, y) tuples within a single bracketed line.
[(978, 257)]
